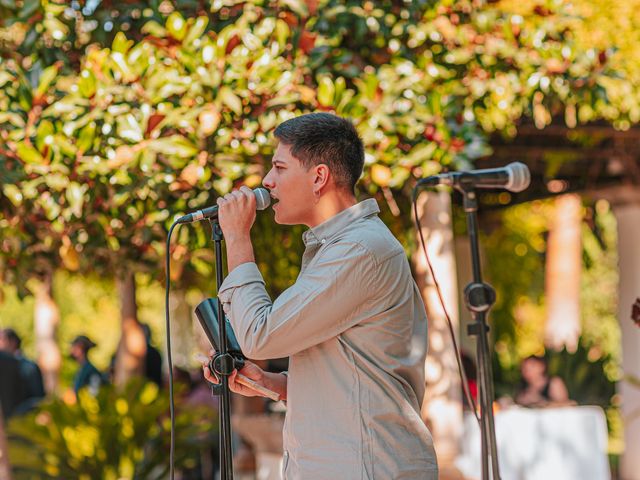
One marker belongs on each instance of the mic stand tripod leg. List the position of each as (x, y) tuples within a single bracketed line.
[(223, 363)]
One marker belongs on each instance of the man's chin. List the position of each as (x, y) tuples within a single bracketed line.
[(280, 219)]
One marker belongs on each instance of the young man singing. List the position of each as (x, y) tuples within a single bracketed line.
[(353, 324)]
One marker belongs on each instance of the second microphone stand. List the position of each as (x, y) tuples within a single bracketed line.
[(479, 298), (222, 364)]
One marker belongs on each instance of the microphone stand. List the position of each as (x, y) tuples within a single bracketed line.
[(222, 364), (479, 298)]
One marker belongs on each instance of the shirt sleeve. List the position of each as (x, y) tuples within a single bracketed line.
[(329, 297)]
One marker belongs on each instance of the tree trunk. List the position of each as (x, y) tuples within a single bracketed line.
[(132, 347), (182, 329), (46, 320), (562, 279), (5, 468), (442, 407)]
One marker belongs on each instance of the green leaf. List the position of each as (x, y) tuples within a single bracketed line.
[(47, 77), (175, 145), (13, 118), (13, 193), (87, 83), (326, 91), (230, 99), (282, 32), (5, 77), (45, 129), (56, 28), (176, 25), (28, 154), (56, 181), (420, 154), (154, 28), (196, 30), (298, 6), (121, 44), (63, 145), (50, 206), (86, 137), (129, 129), (28, 8), (75, 197)]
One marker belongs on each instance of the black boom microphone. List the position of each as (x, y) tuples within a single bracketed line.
[(263, 200), (515, 177)]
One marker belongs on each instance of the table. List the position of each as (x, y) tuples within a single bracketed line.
[(566, 443)]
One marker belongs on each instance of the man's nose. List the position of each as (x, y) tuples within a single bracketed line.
[(267, 182)]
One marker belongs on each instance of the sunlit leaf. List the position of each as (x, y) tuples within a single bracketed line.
[(47, 77), (177, 26), (230, 99), (196, 30), (29, 154), (326, 91)]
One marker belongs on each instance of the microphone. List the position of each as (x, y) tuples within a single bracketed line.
[(263, 200), (515, 177)]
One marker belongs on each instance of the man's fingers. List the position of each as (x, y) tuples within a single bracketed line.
[(237, 196), (208, 375), (247, 192)]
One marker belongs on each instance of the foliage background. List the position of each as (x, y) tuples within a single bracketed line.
[(116, 116)]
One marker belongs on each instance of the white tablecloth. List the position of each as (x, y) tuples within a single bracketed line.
[(568, 443)]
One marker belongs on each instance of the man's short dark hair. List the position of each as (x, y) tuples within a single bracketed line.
[(317, 138), (11, 335)]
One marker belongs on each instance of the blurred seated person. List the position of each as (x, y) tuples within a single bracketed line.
[(88, 375), (470, 371), (537, 388), (31, 376)]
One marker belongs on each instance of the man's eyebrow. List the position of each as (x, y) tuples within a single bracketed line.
[(277, 160)]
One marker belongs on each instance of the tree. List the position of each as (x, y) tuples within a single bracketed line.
[(111, 122)]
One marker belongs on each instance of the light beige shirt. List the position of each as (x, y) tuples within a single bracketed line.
[(354, 328)]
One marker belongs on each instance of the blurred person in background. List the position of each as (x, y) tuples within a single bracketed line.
[(11, 386), (471, 373), (88, 375), (152, 359), (536, 387), (30, 374)]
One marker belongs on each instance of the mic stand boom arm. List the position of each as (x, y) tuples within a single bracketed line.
[(479, 298)]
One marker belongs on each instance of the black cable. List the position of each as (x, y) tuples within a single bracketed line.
[(463, 376), (169, 360)]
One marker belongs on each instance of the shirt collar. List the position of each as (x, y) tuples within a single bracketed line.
[(327, 229)]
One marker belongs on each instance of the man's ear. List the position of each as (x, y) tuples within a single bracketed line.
[(323, 174)]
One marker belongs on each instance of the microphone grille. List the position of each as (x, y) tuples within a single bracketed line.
[(519, 177), (263, 199)]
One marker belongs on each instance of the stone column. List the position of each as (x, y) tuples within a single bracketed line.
[(562, 276), (442, 408), (628, 217)]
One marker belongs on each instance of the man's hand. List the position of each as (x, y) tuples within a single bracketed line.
[(274, 383), (236, 213), (250, 370)]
